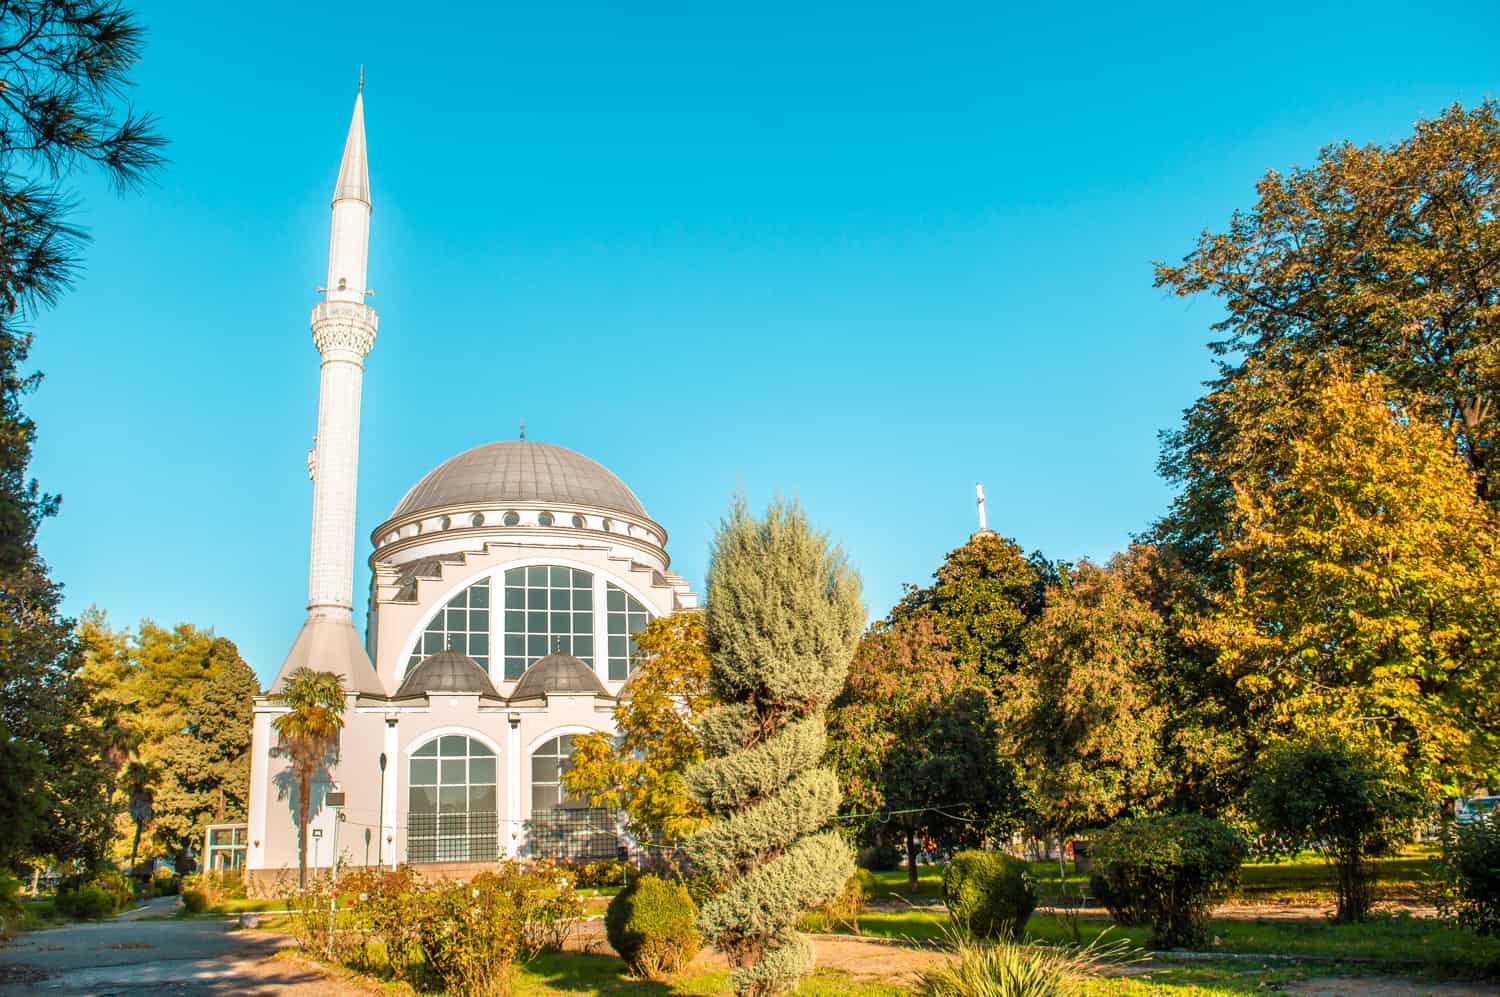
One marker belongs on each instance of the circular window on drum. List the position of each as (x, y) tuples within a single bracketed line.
[(453, 806), (545, 519), (511, 518)]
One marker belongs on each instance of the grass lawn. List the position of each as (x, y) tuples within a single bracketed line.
[(40, 912), (1396, 940), (1301, 879), (578, 973)]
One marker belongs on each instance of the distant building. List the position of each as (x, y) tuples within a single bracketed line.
[(508, 584)]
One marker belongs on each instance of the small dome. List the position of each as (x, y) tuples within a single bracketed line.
[(515, 472), (447, 671), (558, 673)]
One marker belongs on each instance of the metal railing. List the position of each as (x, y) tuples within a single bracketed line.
[(452, 837), (574, 834)]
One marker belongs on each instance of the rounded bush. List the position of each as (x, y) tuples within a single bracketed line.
[(1471, 867), (650, 924), (87, 903), (195, 899), (879, 858), (165, 883), (1168, 870), (988, 894)]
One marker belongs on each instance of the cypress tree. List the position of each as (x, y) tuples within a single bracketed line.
[(783, 618)]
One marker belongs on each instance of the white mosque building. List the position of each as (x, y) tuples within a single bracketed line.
[(507, 586)]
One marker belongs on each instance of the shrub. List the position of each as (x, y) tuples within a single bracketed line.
[(470, 935), (196, 900), (843, 910), (1124, 909), (597, 875), (989, 895), (11, 911), (165, 883), (1471, 871), (1012, 969), (1168, 870), (87, 903), (650, 924), (1345, 803)]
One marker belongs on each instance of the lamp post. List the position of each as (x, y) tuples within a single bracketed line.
[(379, 849)]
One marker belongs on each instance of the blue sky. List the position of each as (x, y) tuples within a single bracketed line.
[(861, 255)]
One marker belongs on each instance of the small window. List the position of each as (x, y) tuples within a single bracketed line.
[(477, 519), (579, 522), (445, 522), (545, 519), (512, 518), (607, 525)]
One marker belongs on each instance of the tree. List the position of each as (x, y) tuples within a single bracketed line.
[(1083, 709), (1380, 252), (1348, 804), (309, 733), (782, 619), (981, 598), (914, 739), (66, 67), (138, 782), (1365, 575), (640, 770)]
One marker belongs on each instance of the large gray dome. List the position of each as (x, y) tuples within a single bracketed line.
[(516, 472)]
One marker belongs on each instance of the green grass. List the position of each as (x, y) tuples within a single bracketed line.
[(1302, 879), (1391, 940), (245, 906), (39, 913)]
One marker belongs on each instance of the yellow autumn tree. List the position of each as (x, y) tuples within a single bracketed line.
[(640, 770), (1365, 574)]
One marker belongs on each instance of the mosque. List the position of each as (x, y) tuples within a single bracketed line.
[(508, 584)]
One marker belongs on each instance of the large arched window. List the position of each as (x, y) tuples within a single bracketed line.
[(548, 763), (627, 617), (463, 624), (452, 803), (547, 608)]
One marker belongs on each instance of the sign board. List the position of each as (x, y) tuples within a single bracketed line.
[(334, 799)]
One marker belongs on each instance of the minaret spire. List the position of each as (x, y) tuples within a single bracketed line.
[(343, 329)]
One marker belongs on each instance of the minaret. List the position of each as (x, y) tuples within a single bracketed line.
[(343, 330)]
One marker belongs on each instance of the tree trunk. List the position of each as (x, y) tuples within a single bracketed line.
[(135, 846), (304, 806), (911, 860)]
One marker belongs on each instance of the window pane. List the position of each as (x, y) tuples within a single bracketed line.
[(481, 771), (453, 798), (583, 599), (543, 797), (536, 623), (536, 647), (515, 622), (479, 645), (582, 580), (432, 642), (615, 600), (565, 745), (458, 642), (583, 647), (515, 576), (427, 750), (515, 598), (454, 745), (617, 647), (479, 595), (423, 800), (560, 598), (536, 575), (618, 669), (543, 769), (482, 799), (423, 771), (560, 623), (478, 749), (515, 645), (561, 577), (453, 772), (514, 667), (479, 619)]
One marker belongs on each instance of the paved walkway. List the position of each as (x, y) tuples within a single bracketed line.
[(133, 955)]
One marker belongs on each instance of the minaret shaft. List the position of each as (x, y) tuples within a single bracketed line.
[(330, 576)]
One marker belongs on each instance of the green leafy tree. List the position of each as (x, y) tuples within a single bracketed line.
[(914, 739), (1347, 803), (1083, 709), (1365, 575), (981, 598), (309, 734), (782, 618), (66, 67), (641, 769)]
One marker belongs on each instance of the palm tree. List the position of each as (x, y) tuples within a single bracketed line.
[(309, 735), (138, 782)]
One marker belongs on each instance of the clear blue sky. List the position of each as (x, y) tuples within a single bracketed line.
[(861, 255)]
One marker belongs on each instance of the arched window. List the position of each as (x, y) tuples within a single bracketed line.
[(463, 624), (548, 763), (452, 804), (547, 607), (627, 617)]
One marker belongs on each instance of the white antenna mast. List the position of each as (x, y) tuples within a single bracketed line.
[(979, 492)]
